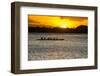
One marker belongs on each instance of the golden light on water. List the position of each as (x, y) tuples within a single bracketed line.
[(56, 21)]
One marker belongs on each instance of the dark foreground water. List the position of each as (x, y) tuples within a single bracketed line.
[(72, 47)]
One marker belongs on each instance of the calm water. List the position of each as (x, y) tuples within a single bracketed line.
[(73, 46)]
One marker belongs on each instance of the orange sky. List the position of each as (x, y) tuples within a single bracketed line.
[(56, 21)]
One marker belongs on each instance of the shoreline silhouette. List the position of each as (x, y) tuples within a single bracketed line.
[(79, 29)]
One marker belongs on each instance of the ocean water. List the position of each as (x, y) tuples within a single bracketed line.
[(74, 46)]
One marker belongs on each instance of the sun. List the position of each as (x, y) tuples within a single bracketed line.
[(63, 26)]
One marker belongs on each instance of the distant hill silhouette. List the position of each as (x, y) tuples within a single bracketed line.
[(82, 28), (79, 29)]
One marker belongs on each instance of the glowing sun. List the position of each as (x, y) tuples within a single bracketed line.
[(63, 26)]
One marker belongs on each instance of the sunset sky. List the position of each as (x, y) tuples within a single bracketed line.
[(56, 21)]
